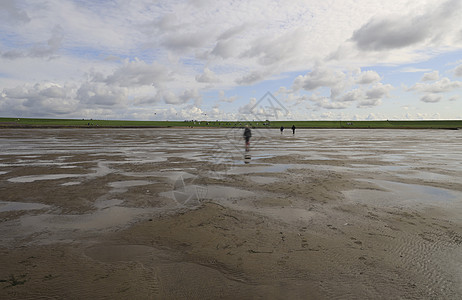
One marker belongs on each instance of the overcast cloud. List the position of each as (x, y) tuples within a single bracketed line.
[(207, 59), (399, 31)]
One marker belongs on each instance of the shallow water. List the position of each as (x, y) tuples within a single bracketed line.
[(428, 157), (414, 196), (14, 206), (425, 155)]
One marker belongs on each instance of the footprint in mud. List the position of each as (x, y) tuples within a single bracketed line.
[(331, 227), (357, 242)]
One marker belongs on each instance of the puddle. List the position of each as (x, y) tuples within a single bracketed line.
[(391, 168), (122, 186), (107, 203), (427, 176), (403, 194), (14, 206), (145, 160), (100, 171), (32, 178), (71, 183), (103, 219), (258, 155), (316, 156)]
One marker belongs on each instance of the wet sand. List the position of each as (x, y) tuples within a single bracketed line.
[(182, 214)]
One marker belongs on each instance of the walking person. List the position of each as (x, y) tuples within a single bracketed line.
[(293, 129), (282, 129), (247, 136)]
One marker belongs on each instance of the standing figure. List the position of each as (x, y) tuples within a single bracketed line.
[(247, 136), (293, 129), (282, 129)]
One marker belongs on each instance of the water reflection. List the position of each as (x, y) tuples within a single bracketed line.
[(247, 158)]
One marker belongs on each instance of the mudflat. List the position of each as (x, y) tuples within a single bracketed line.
[(188, 214)]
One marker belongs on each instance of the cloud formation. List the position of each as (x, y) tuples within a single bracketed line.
[(142, 58), (432, 76), (400, 31), (10, 11), (346, 88), (458, 71), (39, 50), (47, 99), (432, 88)]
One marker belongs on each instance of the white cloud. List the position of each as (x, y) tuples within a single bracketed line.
[(321, 76), (138, 73), (225, 49), (191, 94), (296, 99), (223, 98), (132, 56), (379, 91), (374, 95), (269, 50), (341, 84), (441, 86), (251, 78), (412, 33), (368, 77), (435, 75), (48, 99), (183, 41), (385, 34), (100, 94), (400, 31), (431, 98), (433, 91), (326, 103), (170, 97), (458, 71), (208, 76), (247, 108), (352, 96)]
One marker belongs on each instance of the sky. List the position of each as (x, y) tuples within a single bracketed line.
[(231, 60)]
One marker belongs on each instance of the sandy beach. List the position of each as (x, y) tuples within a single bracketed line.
[(187, 214)]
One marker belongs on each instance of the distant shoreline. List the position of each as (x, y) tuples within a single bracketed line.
[(190, 124)]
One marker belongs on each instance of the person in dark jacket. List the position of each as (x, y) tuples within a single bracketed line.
[(282, 129), (247, 136), (293, 129)]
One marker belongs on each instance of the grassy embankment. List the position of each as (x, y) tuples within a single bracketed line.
[(51, 123)]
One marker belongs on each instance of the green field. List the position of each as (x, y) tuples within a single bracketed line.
[(83, 123)]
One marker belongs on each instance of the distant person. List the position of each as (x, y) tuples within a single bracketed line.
[(282, 129), (293, 129), (247, 136)]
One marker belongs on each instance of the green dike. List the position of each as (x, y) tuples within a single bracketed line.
[(83, 123)]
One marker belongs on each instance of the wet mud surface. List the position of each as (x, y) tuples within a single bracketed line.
[(187, 214)]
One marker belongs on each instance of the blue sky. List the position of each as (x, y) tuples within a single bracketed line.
[(204, 59)]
